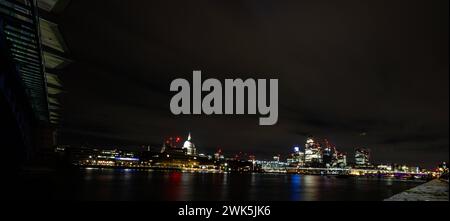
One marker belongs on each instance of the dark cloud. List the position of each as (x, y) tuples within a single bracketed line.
[(414, 138), (371, 73)]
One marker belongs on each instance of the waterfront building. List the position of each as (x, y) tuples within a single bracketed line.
[(442, 168), (386, 167), (108, 154), (362, 157), (408, 169), (297, 158), (272, 166), (234, 165), (313, 153), (327, 157), (341, 160)]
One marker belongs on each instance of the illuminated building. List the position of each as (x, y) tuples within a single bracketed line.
[(329, 154), (184, 157), (297, 158), (443, 168), (189, 147), (384, 167), (362, 157), (341, 160), (234, 165), (219, 155), (172, 146), (272, 166), (313, 154), (172, 150)]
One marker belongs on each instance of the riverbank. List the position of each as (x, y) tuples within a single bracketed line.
[(435, 190)]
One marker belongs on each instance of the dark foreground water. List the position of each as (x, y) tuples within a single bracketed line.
[(126, 184)]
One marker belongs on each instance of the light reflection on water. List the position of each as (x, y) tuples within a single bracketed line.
[(296, 183), (120, 184)]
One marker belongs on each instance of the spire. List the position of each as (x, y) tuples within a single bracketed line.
[(189, 136)]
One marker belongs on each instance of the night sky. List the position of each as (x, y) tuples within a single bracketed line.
[(371, 74)]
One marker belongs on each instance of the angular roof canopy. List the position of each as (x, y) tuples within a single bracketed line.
[(55, 6), (50, 35), (54, 55)]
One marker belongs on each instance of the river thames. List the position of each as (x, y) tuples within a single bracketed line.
[(128, 184)]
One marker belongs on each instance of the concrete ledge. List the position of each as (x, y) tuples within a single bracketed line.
[(435, 190)]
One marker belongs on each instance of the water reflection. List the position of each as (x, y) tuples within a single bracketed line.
[(109, 184), (295, 187)]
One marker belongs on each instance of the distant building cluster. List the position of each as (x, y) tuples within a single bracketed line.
[(317, 157), (317, 154), (362, 157)]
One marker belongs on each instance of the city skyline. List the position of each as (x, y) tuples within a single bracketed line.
[(376, 81), (321, 143), (319, 157)]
